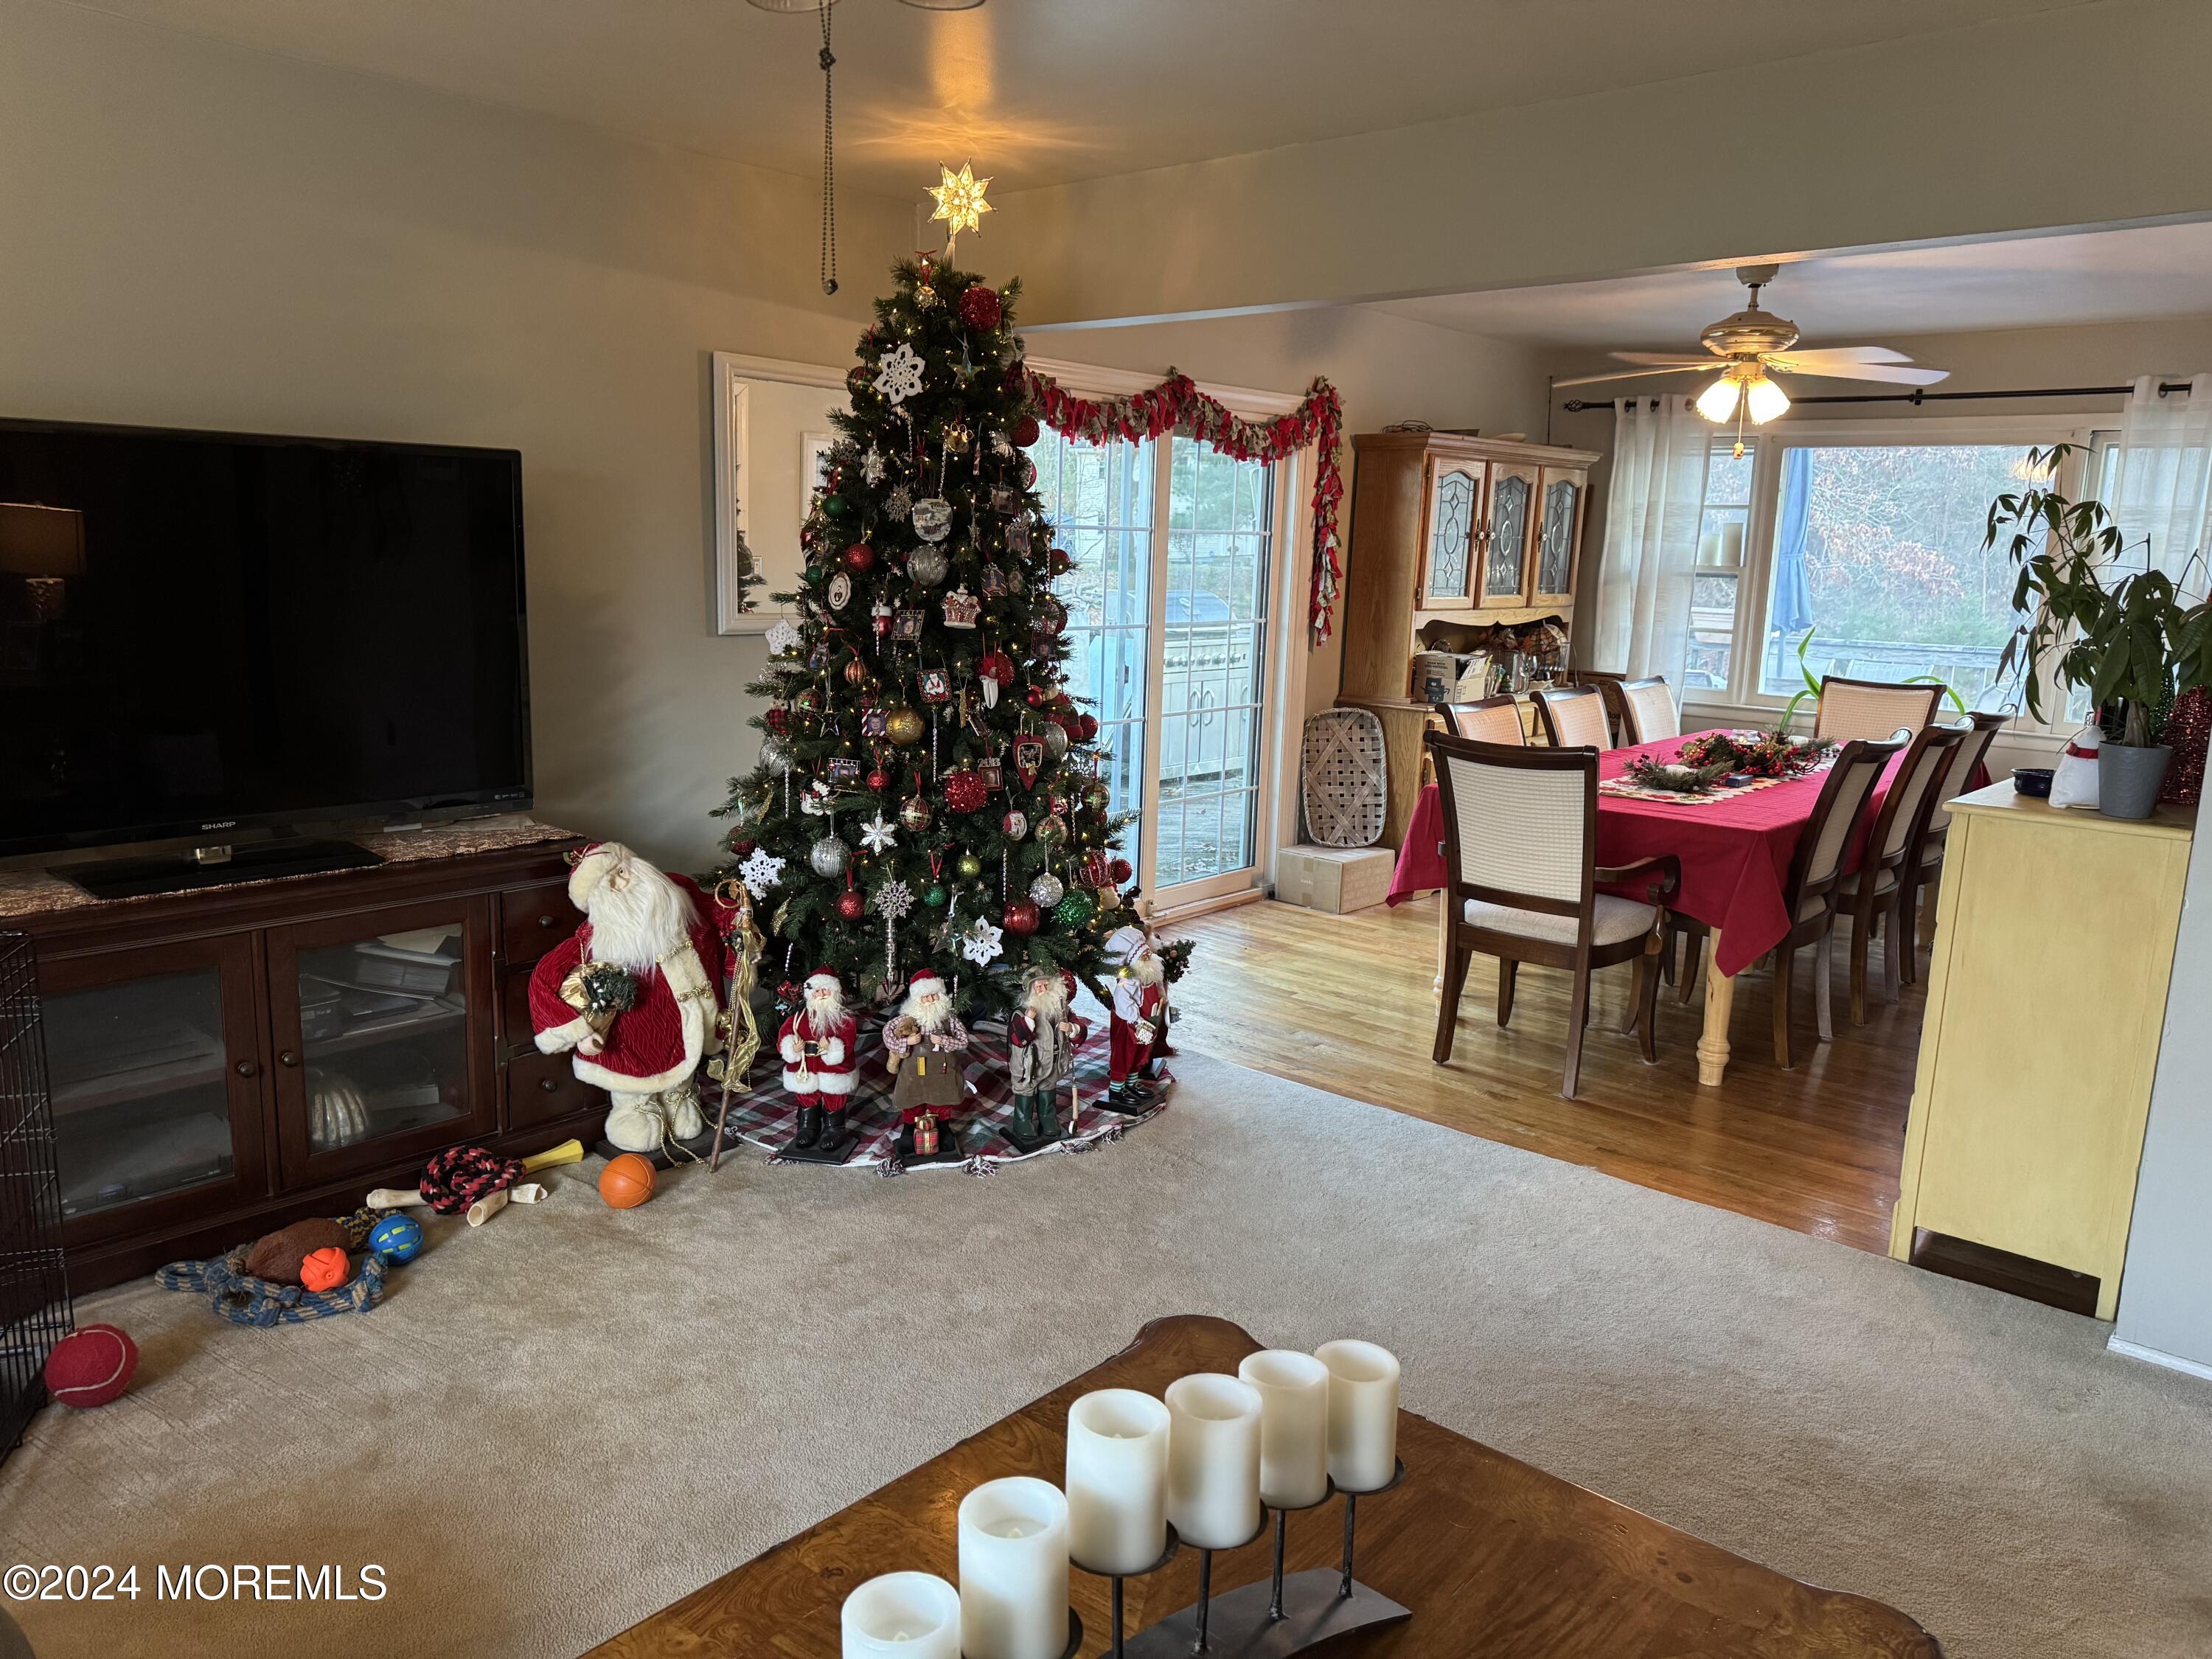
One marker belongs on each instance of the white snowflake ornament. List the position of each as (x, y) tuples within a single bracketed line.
[(782, 638), (894, 899), (878, 834), (760, 872), (898, 376), (980, 943)]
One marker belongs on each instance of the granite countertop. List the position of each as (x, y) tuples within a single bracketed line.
[(25, 892)]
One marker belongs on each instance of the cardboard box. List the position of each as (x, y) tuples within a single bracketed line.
[(1336, 879)]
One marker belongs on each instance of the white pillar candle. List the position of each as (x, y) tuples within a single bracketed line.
[(1013, 1570), (1214, 1459), (1362, 1414), (902, 1615), (1293, 1426), (1117, 1480)]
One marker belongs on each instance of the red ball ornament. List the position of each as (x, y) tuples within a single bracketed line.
[(855, 671), (859, 558), (1059, 562), (1022, 917), (1026, 432), (1121, 870), (965, 791), (879, 780), (743, 849), (980, 307), (851, 904), (1088, 726), (1037, 696)]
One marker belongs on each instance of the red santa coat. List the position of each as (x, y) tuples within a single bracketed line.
[(816, 1064), (659, 1042), (1133, 1001)]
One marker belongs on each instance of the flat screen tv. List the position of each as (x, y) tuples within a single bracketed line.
[(203, 634)]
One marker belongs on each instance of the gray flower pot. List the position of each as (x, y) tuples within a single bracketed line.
[(2128, 780)]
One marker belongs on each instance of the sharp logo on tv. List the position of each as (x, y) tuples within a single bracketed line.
[(221, 824)]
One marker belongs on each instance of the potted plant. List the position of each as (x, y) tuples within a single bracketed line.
[(2128, 637)]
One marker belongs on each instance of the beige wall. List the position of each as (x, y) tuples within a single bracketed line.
[(196, 235), (1385, 366), (2076, 115)]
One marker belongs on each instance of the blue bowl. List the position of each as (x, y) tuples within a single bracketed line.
[(2032, 781)]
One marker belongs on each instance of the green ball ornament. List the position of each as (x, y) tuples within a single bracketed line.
[(1074, 908), (970, 867), (833, 507), (936, 899)]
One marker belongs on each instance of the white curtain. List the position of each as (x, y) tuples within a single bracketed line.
[(2161, 490), (1654, 504)]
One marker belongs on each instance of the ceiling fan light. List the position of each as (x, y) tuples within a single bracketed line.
[(793, 5), (945, 5), (1763, 400), (1717, 402)]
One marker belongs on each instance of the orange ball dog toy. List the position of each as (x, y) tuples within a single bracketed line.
[(627, 1182)]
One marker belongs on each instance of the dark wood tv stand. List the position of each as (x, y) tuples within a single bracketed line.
[(191, 1036)]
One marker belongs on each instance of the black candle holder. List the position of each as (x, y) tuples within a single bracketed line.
[(1119, 1579), (1276, 1617)]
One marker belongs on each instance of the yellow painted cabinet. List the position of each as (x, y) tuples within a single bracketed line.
[(2046, 995)]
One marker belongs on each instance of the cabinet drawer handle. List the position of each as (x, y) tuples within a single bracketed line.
[(286, 1057), (549, 1085), (548, 920), (246, 1068)]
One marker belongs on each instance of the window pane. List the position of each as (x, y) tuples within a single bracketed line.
[(1714, 589), (1878, 549)]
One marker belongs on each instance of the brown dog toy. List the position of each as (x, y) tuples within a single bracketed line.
[(276, 1256)]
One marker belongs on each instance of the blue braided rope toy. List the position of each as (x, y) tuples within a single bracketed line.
[(243, 1299)]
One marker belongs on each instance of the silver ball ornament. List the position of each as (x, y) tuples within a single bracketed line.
[(1046, 889), (928, 566), (774, 753), (829, 856)]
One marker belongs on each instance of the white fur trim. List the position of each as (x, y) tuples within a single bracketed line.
[(792, 1048), (834, 1083), (833, 1051), (557, 1039), (591, 869)]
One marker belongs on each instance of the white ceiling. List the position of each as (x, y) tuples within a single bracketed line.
[(1042, 91), (1857, 299)]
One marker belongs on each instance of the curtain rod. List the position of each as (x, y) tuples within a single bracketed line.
[(1921, 395)]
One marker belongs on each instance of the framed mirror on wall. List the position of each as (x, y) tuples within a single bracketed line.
[(772, 442)]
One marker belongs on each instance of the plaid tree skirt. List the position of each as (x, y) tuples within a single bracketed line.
[(767, 1115)]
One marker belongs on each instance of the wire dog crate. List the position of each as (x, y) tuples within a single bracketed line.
[(35, 1299)]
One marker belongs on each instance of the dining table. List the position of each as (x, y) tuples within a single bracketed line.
[(1735, 846)]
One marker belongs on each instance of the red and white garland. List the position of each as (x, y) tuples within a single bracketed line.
[(1176, 405)]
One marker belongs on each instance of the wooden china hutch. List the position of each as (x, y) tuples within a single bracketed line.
[(1457, 543), (225, 1061)]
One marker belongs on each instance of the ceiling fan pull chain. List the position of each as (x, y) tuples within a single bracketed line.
[(829, 61)]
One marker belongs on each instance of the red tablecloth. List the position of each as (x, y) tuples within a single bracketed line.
[(1735, 854)]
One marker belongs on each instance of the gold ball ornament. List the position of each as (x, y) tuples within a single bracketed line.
[(904, 726)]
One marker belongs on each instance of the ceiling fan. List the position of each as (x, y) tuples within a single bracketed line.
[(1754, 346)]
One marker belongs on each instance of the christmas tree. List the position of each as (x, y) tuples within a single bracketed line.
[(928, 795)]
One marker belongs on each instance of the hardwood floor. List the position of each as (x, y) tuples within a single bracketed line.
[(1343, 1003)]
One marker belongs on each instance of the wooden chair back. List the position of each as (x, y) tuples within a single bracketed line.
[(1493, 720), (1897, 826), (1818, 864), (1984, 729), (1574, 717), (1520, 826), (1872, 709), (1648, 712)]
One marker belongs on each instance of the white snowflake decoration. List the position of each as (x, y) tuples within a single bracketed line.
[(894, 899), (782, 638), (900, 503), (878, 834), (980, 943), (871, 466), (898, 376), (761, 872)]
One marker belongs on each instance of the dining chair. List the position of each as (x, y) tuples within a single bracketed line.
[(1926, 857), (1493, 720), (1809, 890), (1608, 686), (1520, 875), (1874, 893), (1872, 709), (1648, 712), (1574, 717)]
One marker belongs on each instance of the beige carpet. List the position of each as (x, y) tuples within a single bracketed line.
[(570, 1418)]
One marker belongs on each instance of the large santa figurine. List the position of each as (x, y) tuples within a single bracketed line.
[(1140, 1018), (1042, 1038), (928, 1044), (816, 1045), (634, 993)]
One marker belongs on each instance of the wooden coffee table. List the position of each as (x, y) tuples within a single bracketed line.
[(1494, 1558)]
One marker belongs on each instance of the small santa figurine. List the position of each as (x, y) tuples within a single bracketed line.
[(1139, 1015), (1041, 1038), (634, 994), (816, 1045), (929, 1081)]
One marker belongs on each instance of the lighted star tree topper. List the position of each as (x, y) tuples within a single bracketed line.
[(960, 203)]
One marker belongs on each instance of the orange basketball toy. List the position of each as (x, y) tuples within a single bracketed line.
[(627, 1182)]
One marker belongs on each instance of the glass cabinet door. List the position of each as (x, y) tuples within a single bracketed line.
[(1448, 552), (1562, 500), (377, 1050), (154, 1068), (1505, 541)]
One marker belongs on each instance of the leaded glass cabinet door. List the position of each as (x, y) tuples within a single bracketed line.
[(1506, 535), (1448, 541), (1559, 534)]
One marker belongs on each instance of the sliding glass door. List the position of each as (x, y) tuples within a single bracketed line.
[(1168, 601)]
